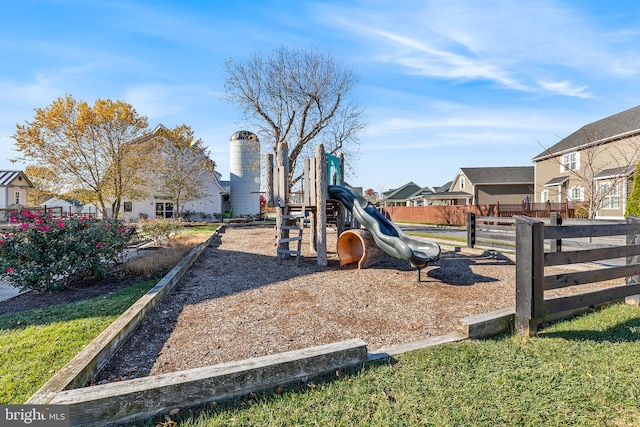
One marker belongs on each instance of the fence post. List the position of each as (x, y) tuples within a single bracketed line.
[(529, 274), (555, 219), (633, 239), (471, 229)]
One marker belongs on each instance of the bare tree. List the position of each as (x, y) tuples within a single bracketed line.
[(184, 167), (297, 96)]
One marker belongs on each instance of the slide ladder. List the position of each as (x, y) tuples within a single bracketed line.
[(291, 223)]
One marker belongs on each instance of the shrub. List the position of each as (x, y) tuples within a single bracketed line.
[(161, 231), (633, 203), (43, 253)]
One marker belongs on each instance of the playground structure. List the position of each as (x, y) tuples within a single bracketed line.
[(323, 191)]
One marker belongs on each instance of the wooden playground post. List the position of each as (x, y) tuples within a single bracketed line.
[(321, 205), (282, 185), (269, 179), (341, 209), (310, 199)]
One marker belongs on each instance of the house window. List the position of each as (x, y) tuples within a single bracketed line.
[(544, 196), (577, 194), (610, 196), (570, 162), (164, 210), (128, 206), (462, 182), (17, 197)]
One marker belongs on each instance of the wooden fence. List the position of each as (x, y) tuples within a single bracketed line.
[(536, 210), (532, 309), (493, 231), (457, 214), (5, 213), (500, 232)]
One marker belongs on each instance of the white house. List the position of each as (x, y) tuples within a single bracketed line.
[(157, 205), (69, 206), (14, 186), (208, 208)]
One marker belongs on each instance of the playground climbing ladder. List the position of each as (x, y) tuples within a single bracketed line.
[(289, 225)]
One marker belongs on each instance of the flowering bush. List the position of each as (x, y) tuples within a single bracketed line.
[(161, 231), (45, 254)]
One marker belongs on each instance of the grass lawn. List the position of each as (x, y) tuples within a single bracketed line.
[(582, 372), (200, 229), (34, 344)]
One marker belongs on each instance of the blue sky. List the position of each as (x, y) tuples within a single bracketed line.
[(445, 84)]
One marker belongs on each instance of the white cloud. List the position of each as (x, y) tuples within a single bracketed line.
[(567, 88), (511, 44)]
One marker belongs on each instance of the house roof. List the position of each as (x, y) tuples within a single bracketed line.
[(404, 192), (615, 172), (6, 177), (617, 126), (422, 193), (556, 181), (71, 202), (500, 175), (443, 188)]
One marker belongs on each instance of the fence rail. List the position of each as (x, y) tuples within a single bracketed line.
[(500, 232), (532, 309), (457, 214)]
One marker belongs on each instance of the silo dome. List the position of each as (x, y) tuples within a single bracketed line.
[(245, 173)]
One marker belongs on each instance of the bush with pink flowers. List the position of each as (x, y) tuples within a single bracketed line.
[(44, 253)]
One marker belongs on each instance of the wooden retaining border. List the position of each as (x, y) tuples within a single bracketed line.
[(142, 398)]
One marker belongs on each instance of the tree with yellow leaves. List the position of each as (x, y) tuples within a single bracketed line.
[(89, 148)]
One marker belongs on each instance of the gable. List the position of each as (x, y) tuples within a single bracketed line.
[(14, 178), (620, 125)]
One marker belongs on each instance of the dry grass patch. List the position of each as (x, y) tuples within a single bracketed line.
[(156, 260)]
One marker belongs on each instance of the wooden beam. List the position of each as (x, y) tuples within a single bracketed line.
[(576, 231), (142, 398), (590, 276), (590, 298), (321, 205), (587, 255)]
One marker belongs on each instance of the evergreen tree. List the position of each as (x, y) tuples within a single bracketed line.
[(633, 203)]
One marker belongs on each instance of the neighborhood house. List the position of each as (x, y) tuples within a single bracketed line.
[(592, 166), (13, 190)]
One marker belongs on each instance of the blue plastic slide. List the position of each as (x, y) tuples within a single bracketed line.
[(385, 233)]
